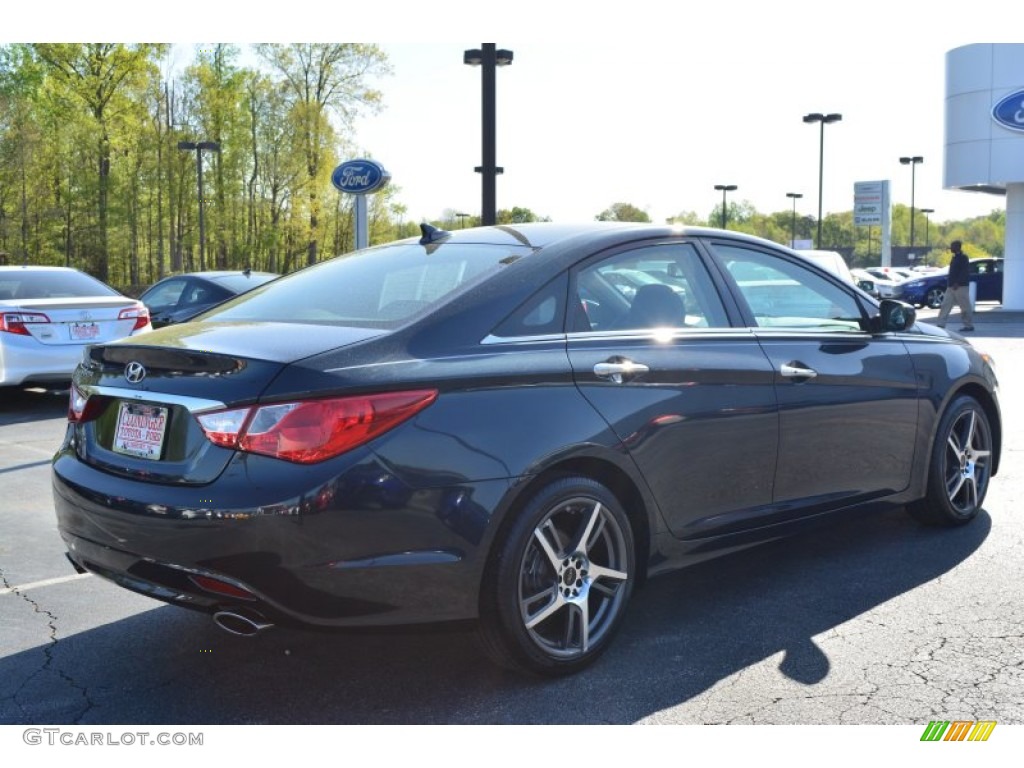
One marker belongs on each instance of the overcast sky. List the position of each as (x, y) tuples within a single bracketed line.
[(626, 101)]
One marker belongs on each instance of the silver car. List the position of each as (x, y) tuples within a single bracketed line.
[(49, 314)]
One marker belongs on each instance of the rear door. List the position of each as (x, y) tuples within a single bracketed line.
[(987, 274), (691, 398)]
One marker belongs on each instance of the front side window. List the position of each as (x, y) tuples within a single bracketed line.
[(164, 295), (785, 294), (657, 286)]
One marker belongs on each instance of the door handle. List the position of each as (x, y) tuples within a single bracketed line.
[(795, 372), (617, 370)]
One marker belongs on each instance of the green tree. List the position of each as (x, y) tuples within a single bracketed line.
[(323, 80), (623, 212), (99, 75)]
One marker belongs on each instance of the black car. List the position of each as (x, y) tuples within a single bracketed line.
[(483, 425), (179, 298)]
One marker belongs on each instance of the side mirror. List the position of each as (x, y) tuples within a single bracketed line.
[(893, 316)]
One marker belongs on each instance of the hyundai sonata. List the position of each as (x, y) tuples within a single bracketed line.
[(489, 424)]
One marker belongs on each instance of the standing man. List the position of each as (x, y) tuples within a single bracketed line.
[(958, 289)]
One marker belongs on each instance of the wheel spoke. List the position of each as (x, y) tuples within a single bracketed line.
[(594, 519), (553, 557), (600, 572), (579, 614), (972, 492), (969, 437), (953, 444), (959, 480), (608, 590), (547, 611)]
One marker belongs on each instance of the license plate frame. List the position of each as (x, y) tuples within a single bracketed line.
[(141, 430), (84, 331)]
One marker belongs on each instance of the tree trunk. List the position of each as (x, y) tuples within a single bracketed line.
[(102, 267)]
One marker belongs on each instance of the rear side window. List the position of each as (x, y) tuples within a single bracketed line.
[(543, 313), (656, 286), (376, 288)]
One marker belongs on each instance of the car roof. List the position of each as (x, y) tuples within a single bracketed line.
[(211, 273), (37, 267)]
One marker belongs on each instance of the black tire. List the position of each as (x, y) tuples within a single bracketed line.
[(566, 564), (960, 466), (934, 297)]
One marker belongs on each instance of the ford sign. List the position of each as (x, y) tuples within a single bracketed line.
[(1009, 112), (360, 177)]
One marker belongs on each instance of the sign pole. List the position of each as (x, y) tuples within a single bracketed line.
[(362, 223)]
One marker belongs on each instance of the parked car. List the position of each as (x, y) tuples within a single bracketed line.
[(833, 261), (929, 289), (179, 298), (49, 314), (926, 290), (866, 282), (480, 425), (888, 285)]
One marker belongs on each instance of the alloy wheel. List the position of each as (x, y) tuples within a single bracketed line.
[(572, 578)]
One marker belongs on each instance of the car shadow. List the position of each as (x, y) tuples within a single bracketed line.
[(20, 405), (686, 632)]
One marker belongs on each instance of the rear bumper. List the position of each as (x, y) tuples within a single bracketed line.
[(23, 360), (356, 548)]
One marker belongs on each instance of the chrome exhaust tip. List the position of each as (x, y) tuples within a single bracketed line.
[(241, 624)]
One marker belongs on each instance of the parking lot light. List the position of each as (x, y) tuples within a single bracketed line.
[(724, 188), (818, 117)]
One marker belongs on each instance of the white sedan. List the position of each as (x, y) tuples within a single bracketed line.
[(49, 314)]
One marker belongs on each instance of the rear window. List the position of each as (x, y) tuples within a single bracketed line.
[(241, 283), (46, 284), (376, 288)]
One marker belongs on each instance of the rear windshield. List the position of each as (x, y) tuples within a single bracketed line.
[(241, 283), (376, 288), (47, 284)]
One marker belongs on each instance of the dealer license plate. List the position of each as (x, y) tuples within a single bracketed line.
[(84, 331), (140, 430)]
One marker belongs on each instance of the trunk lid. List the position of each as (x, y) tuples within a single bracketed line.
[(144, 393)]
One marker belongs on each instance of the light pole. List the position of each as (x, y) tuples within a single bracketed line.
[(792, 230), (927, 239), (489, 58), (199, 147), (912, 162), (818, 117), (724, 189)]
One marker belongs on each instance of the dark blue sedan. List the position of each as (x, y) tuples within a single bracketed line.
[(929, 289), (179, 298), (491, 424)]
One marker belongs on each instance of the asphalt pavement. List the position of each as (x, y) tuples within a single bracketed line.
[(876, 621)]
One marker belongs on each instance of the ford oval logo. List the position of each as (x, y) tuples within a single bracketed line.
[(360, 177), (1009, 112), (134, 372)]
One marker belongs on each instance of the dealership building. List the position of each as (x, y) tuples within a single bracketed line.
[(984, 148)]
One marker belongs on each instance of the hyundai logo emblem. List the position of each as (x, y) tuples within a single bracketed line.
[(134, 372)]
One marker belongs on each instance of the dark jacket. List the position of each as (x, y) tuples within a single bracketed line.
[(959, 270)]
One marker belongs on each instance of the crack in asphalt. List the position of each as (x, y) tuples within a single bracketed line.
[(48, 655)]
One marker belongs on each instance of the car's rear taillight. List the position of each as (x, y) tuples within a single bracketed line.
[(15, 322), (81, 407), (139, 312), (309, 431)]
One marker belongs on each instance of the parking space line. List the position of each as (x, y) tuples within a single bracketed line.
[(44, 583)]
